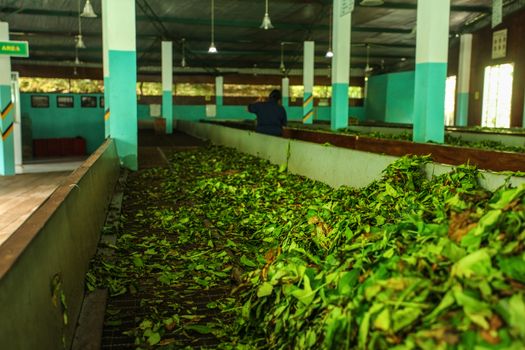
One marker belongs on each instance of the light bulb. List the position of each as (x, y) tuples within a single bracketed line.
[(88, 11), (329, 53), (266, 23), (212, 48), (80, 42)]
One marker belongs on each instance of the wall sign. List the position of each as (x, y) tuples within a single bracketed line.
[(39, 101), (14, 48), (347, 6), (499, 44), (65, 102), (88, 101)]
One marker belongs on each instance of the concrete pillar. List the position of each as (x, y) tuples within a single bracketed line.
[(219, 94), (465, 55), (17, 117), (308, 82), (340, 65), (105, 63), (431, 70), (167, 85), (7, 111), (119, 16), (285, 91)]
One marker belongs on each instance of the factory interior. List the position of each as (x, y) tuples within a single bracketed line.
[(262, 174)]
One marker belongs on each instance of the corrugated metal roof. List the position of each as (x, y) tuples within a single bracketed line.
[(50, 27)]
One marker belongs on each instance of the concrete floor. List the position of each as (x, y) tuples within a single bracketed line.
[(21, 195)]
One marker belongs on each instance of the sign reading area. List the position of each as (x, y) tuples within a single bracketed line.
[(14, 48)]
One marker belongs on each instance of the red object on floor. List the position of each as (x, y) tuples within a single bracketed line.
[(79, 146), (53, 147), (66, 147), (62, 147), (40, 148)]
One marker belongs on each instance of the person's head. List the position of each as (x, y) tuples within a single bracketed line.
[(275, 95)]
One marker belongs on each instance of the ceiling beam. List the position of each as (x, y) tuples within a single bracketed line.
[(207, 22), (222, 53), (25, 32), (407, 6)]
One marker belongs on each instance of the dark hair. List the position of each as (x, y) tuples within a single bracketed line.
[(275, 95)]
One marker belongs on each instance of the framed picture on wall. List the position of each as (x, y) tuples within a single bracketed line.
[(102, 102), (65, 102), (89, 101), (39, 101)]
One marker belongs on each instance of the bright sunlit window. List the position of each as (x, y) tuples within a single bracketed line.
[(450, 100), (497, 96)]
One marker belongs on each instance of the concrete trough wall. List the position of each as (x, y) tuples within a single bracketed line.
[(334, 166), (49, 255)]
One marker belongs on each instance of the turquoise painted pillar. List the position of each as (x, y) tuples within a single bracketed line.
[(431, 70), (465, 56), (122, 57), (105, 63), (308, 82), (167, 85), (342, 21), (219, 94), (7, 110), (285, 92)]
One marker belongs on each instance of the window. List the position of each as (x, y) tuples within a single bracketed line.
[(67, 86), (235, 90), (355, 92), (450, 101), (497, 96)]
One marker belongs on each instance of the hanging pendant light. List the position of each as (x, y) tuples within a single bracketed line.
[(266, 23), (282, 67), (183, 61), (329, 52), (79, 42), (88, 11), (77, 61), (212, 48)]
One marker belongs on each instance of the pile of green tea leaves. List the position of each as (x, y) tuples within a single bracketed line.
[(405, 263), (449, 140)]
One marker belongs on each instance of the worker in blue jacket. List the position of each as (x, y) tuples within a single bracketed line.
[(271, 116)]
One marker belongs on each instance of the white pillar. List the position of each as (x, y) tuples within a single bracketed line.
[(433, 19), (219, 94), (119, 16), (342, 23), (7, 111), (167, 85), (463, 93), (308, 82), (285, 87), (17, 132)]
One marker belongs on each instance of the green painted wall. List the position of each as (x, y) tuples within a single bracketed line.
[(54, 122), (400, 98), (391, 98)]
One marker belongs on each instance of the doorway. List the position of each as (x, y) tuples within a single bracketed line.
[(497, 96)]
